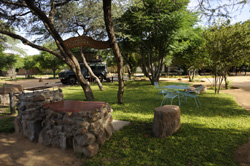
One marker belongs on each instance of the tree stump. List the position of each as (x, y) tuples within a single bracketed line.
[(166, 120)]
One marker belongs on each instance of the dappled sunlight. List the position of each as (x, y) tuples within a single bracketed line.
[(6, 141), (20, 151), (206, 136), (132, 116)]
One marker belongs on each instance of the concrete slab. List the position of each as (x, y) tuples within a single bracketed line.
[(119, 124)]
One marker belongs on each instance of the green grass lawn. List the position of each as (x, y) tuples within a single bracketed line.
[(6, 120), (208, 136)]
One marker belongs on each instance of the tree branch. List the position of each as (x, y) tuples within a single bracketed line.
[(27, 42), (52, 11), (23, 14), (63, 3), (48, 24), (14, 3)]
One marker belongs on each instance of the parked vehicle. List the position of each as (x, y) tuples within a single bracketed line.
[(99, 69), (176, 70)]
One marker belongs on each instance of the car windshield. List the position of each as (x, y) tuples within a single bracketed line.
[(97, 66)]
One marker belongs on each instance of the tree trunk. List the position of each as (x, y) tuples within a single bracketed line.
[(84, 84), (115, 48), (215, 82), (54, 73), (193, 75), (189, 76), (226, 83), (91, 72), (66, 55), (54, 70), (129, 72)]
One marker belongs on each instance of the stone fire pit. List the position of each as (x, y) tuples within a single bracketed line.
[(81, 125)]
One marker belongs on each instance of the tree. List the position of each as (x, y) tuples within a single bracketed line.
[(151, 27), (43, 20), (212, 10), (30, 63), (226, 46), (187, 50), (131, 55), (7, 60), (40, 15), (48, 61), (115, 47), (82, 18)]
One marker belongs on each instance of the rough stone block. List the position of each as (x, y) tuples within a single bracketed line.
[(204, 88), (86, 139), (166, 120), (109, 130), (39, 97), (91, 150), (18, 126), (81, 131), (63, 142), (32, 130), (44, 138)]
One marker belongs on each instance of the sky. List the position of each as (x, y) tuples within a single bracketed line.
[(240, 15)]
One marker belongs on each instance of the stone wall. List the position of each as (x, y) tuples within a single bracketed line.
[(85, 131), (30, 114)]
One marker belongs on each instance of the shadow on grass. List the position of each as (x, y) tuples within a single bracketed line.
[(141, 97), (7, 124), (192, 144)]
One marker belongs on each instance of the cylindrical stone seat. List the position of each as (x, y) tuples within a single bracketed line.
[(166, 120)]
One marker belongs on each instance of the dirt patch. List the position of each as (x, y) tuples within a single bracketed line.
[(242, 154), (30, 83), (16, 151), (242, 96)]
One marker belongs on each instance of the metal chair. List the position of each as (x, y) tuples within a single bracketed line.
[(171, 95), (194, 96), (160, 90)]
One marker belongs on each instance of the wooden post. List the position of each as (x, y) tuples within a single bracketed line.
[(12, 102)]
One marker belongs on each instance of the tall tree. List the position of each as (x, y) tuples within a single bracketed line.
[(45, 20), (10, 62), (48, 61), (115, 47), (30, 64), (42, 19), (151, 26), (7, 61), (226, 46), (187, 50)]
